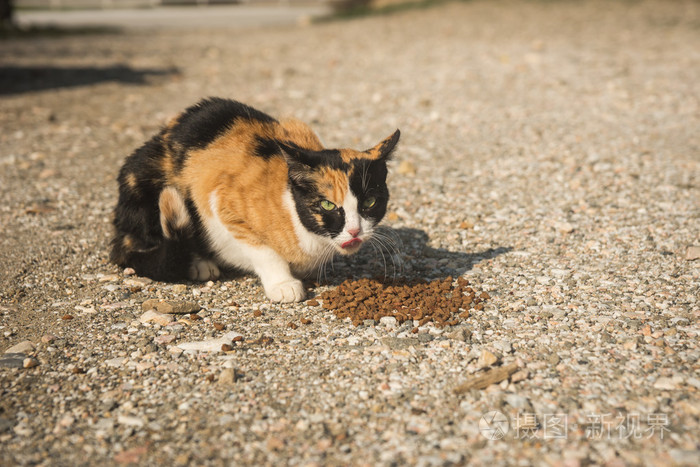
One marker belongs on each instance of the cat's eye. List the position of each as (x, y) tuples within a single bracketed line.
[(327, 205), (369, 202)]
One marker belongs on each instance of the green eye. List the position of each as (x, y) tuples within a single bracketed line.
[(369, 202), (327, 205)]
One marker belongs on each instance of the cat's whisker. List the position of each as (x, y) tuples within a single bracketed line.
[(385, 239), (321, 261), (377, 247), (329, 256)]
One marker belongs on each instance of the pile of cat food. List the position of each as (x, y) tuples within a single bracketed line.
[(442, 301)]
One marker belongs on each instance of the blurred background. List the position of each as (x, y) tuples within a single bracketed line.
[(145, 13), (14, 13)]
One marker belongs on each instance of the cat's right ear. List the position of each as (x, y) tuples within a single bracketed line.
[(295, 155), (299, 162)]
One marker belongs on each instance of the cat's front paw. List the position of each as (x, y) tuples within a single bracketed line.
[(287, 291), (203, 270)]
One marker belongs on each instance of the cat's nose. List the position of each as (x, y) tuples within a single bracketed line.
[(354, 232)]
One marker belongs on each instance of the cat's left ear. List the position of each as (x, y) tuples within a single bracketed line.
[(384, 150)]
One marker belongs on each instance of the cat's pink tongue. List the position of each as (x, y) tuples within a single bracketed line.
[(351, 243)]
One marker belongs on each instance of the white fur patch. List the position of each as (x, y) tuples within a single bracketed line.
[(228, 249), (352, 215), (273, 269)]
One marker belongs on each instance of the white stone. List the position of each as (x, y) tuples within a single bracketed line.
[(665, 383), (210, 345), (388, 321), (151, 316), (517, 401), (115, 362), (22, 347), (130, 421)]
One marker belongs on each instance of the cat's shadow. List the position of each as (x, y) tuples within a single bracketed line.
[(392, 255), (403, 253)]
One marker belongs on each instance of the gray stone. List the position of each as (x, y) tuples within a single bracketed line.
[(400, 342), (686, 456), (425, 337), (12, 360), (227, 377), (5, 424)]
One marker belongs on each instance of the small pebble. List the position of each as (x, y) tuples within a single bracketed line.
[(30, 362), (486, 359), (151, 316)]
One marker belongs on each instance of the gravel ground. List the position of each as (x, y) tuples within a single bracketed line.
[(550, 154)]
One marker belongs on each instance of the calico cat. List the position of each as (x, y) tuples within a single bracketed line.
[(226, 186)]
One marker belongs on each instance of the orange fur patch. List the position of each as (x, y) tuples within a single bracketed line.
[(173, 212), (132, 182), (248, 187), (332, 184), (300, 133), (350, 155), (375, 153)]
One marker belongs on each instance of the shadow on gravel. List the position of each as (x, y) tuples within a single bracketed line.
[(22, 79), (405, 254)]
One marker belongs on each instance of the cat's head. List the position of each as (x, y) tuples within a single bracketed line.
[(340, 194)]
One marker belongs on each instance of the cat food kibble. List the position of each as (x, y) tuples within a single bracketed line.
[(443, 301)]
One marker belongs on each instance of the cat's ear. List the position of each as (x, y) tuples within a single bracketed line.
[(299, 163), (384, 150), (294, 155)]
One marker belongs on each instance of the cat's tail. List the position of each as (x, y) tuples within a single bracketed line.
[(164, 253)]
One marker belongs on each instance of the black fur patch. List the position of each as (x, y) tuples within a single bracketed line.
[(369, 180), (204, 122), (267, 148), (333, 221), (137, 219), (309, 210), (313, 159)]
